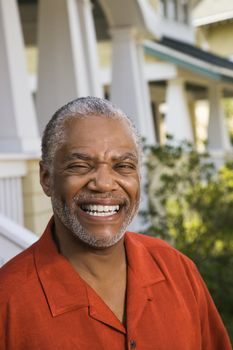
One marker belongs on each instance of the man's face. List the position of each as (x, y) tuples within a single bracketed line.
[(95, 182)]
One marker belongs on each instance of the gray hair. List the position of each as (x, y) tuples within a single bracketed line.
[(53, 136)]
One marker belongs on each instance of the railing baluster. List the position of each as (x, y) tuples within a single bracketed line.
[(11, 194)]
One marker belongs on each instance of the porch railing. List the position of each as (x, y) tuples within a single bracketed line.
[(13, 239), (12, 169)]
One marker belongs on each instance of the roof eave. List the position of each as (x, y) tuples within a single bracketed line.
[(185, 61)]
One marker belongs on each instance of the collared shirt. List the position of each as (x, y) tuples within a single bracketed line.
[(46, 305)]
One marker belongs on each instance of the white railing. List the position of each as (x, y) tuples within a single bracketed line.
[(12, 169), (13, 239)]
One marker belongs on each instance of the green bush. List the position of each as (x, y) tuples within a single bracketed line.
[(191, 206)]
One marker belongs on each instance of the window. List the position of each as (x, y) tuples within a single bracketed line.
[(163, 6), (184, 11)]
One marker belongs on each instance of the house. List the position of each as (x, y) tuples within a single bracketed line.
[(139, 53), (214, 22)]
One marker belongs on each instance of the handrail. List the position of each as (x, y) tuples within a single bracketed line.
[(14, 238)]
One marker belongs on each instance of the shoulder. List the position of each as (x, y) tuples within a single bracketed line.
[(20, 272), (151, 243), (173, 264), (16, 272), (162, 251)]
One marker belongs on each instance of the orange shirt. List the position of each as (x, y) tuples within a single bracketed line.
[(45, 305)]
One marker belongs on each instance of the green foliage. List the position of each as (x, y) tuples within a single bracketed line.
[(228, 110), (191, 206)]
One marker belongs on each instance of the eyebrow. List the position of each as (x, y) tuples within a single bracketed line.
[(84, 156), (77, 155), (126, 156)]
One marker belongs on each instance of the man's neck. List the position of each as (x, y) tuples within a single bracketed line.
[(97, 263), (104, 270)]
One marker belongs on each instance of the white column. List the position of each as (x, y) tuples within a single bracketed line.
[(18, 132), (178, 121), (218, 136), (67, 55), (129, 89), (90, 47)]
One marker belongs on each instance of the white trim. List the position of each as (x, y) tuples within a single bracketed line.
[(213, 18), (12, 168), (159, 71), (18, 156)]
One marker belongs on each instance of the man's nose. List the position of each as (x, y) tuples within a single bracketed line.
[(103, 180)]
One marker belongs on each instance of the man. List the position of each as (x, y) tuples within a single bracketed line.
[(86, 284)]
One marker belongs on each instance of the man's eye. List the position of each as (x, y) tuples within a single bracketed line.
[(79, 168), (125, 167)]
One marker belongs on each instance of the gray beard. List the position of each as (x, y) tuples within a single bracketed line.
[(70, 220)]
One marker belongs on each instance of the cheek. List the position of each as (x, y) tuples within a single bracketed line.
[(68, 186), (137, 189), (132, 187)]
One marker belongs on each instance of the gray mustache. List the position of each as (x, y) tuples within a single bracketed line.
[(91, 196)]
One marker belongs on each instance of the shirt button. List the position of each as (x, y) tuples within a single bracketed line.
[(132, 344)]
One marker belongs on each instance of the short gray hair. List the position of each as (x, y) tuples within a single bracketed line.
[(83, 107)]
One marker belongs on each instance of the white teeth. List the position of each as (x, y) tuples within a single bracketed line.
[(100, 210)]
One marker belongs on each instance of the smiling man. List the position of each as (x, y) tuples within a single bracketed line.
[(87, 283), (95, 190)]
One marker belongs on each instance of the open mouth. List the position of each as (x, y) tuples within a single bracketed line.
[(100, 210)]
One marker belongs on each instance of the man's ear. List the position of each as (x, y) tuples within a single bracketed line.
[(45, 178)]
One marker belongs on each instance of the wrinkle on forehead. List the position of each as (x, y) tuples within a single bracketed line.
[(116, 156), (99, 124)]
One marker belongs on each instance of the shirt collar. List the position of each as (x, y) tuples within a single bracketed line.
[(65, 290), (144, 268), (63, 287)]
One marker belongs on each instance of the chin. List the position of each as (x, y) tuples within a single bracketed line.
[(99, 241), (91, 235)]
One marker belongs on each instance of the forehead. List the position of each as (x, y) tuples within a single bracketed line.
[(99, 133)]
